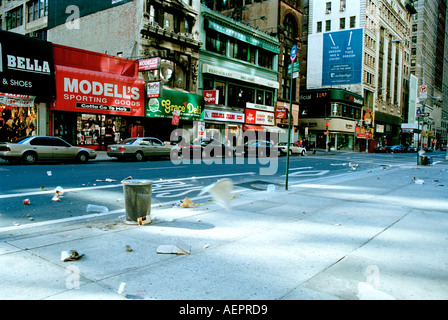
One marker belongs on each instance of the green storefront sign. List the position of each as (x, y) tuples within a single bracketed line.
[(190, 105)]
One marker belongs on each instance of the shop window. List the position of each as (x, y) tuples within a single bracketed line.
[(17, 122), (92, 129), (245, 95)]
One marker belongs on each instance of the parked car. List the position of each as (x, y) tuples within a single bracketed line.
[(382, 149), (411, 149), (398, 148), (294, 148), (139, 149), (36, 148), (208, 149), (259, 148)]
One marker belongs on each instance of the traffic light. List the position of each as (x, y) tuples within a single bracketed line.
[(327, 125)]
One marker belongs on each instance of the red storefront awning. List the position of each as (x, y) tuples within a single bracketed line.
[(249, 127)]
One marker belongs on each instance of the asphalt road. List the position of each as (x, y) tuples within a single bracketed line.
[(99, 182)]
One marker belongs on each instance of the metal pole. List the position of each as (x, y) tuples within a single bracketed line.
[(289, 128)]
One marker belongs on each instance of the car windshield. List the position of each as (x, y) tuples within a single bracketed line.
[(22, 140), (128, 141)]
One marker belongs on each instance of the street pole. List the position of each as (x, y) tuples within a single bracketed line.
[(293, 57)]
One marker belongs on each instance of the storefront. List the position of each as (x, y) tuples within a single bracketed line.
[(174, 110), (26, 86), (99, 98), (331, 117)]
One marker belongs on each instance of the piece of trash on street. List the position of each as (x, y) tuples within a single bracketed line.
[(352, 165), (49, 173), (419, 181), (71, 255), (144, 220), (95, 208), (121, 288), (26, 201), (128, 248), (221, 192), (106, 180), (180, 248), (58, 192), (187, 203), (271, 188)]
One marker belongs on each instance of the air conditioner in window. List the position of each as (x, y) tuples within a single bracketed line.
[(8, 14), (34, 34), (342, 9), (328, 11)]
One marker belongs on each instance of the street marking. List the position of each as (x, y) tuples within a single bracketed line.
[(177, 180), (162, 168)]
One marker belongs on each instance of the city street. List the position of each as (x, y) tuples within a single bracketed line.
[(99, 182)]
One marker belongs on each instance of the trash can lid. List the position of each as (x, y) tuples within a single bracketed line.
[(137, 182)]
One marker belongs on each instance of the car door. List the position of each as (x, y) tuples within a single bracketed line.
[(160, 148), (61, 149), (42, 146), (146, 146)]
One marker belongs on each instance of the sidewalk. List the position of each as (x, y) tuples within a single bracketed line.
[(368, 235)]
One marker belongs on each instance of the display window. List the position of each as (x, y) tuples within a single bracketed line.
[(17, 122)]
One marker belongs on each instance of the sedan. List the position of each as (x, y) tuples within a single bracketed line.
[(397, 148), (139, 149), (294, 148), (31, 149), (259, 148), (208, 149)]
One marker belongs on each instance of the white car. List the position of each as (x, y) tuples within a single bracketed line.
[(293, 149)]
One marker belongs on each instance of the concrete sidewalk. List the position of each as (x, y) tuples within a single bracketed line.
[(367, 235)]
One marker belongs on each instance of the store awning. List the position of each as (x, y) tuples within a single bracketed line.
[(249, 127), (274, 129)]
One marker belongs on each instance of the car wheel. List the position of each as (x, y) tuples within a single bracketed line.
[(29, 158), (82, 157), (138, 156)]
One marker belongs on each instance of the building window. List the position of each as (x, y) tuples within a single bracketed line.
[(14, 18), (328, 8), (341, 23), (414, 27), (215, 42), (265, 59), (319, 27), (328, 25), (353, 22), (37, 9), (414, 39)]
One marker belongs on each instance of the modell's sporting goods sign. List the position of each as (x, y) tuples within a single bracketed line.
[(95, 92)]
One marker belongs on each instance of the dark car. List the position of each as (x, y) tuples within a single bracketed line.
[(411, 149), (398, 148), (31, 149), (259, 148), (382, 149), (206, 149)]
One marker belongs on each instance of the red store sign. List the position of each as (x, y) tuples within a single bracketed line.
[(211, 96), (259, 117), (88, 91)]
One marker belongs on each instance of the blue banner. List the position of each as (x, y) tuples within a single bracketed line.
[(342, 57)]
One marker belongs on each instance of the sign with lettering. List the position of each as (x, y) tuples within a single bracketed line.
[(190, 105), (26, 65), (211, 96), (259, 117), (342, 57), (96, 92), (226, 116)]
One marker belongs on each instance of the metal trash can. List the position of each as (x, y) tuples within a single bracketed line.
[(137, 199), (424, 160)]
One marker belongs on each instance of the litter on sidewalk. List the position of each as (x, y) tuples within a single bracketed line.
[(58, 193), (180, 248), (71, 255), (187, 203), (144, 220)]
